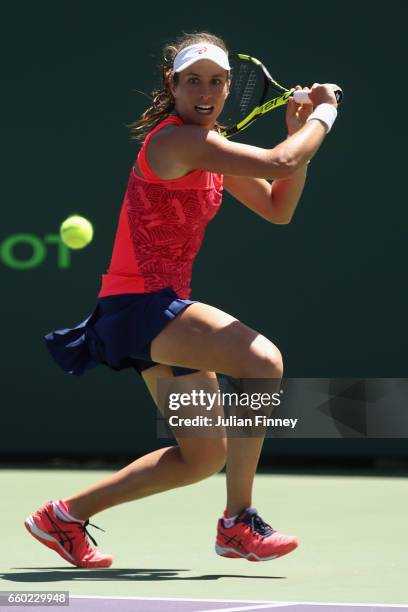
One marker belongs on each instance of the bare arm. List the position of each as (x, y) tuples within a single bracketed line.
[(189, 147), (277, 202), (286, 194), (274, 202)]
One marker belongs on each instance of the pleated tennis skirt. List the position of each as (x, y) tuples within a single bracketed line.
[(118, 333)]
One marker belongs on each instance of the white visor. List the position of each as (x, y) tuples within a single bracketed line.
[(194, 53)]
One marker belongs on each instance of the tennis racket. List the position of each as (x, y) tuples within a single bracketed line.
[(251, 83)]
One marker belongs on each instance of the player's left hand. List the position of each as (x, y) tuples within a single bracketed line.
[(296, 114)]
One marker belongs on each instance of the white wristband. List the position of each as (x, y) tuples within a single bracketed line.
[(326, 113)]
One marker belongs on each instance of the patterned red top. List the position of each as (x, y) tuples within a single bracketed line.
[(161, 228)]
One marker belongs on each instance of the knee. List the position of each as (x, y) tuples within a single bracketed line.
[(264, 360)]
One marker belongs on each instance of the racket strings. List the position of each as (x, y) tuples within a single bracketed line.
[(246, 92)]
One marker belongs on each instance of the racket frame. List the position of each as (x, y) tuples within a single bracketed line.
[(262, 107)]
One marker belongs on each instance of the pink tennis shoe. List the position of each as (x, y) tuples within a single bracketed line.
[(69, 538), (252, 539)]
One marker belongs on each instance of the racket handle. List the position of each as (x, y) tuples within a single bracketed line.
[(301, 96)]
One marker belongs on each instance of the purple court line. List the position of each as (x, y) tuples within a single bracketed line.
[(139, 604)]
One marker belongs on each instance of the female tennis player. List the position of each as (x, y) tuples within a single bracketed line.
[(144, 318)]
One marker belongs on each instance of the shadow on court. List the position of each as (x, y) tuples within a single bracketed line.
[(56, 574)]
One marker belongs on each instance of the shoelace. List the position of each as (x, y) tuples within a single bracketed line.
[(258, 525), (64, 536), (86, 532)]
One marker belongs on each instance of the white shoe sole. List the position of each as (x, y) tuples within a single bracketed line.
[(223, 551)]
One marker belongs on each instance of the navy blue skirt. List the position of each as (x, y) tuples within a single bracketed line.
[(118, 333)]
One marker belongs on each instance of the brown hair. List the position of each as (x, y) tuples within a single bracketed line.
[(162, 99)]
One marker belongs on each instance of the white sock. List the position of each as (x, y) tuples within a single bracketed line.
[(229, 521), (60, 509)]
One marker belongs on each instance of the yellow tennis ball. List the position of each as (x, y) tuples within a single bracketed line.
[(76, 232)]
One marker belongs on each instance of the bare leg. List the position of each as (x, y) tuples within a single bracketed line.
[(160, 470), (203, 336), (242, 461), (207, 339), (243, 452)]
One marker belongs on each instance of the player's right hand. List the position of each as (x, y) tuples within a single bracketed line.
[(323, 93)]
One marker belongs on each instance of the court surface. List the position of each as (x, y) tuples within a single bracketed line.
[(93, 604), (352, 529)]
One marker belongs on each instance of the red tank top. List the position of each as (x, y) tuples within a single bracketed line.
[(161, 228)]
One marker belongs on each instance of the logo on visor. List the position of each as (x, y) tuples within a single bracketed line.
[(202, 50)]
